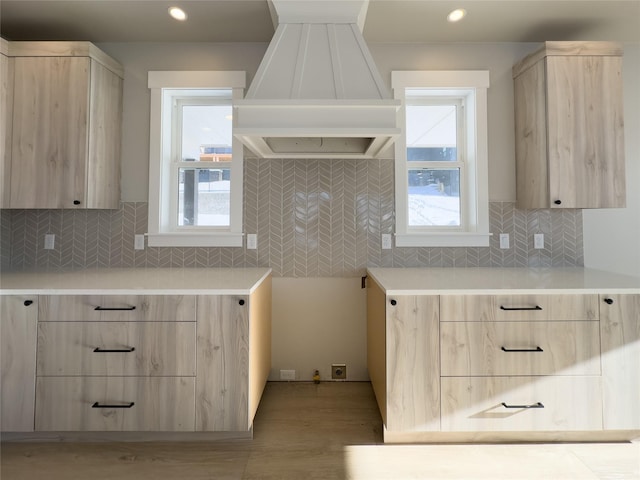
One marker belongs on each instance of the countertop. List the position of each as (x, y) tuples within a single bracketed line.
[(146, 281), (494, 281)]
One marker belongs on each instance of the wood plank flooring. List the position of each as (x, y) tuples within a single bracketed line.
[(304, 431)]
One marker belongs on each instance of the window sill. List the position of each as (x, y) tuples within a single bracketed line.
[(209, 239), (443, 239)]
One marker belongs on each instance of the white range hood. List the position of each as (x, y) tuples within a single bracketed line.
[(317, 92)]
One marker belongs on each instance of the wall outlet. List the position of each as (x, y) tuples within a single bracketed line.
[(252, 241), (504, 241), (138, 242), (538, 240), (338, 371), (49, 241), (386, 241), (287, 374)]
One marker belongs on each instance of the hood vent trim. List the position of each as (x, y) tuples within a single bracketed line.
[(317, 92)]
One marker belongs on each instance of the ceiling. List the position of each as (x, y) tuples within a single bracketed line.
[(387, 20)]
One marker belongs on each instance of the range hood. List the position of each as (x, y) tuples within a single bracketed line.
[(317, 92)]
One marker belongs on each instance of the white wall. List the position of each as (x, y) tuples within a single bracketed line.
[(320, 321)]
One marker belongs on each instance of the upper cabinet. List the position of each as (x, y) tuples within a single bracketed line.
[(569, 126), (6, 89), (66, 127)]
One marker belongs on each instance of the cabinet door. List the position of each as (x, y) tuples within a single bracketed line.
[(222, 359), (6, 109), (50, 128), (103, 164), (18, 318), (413, 363), (585, 131), (620, 332)]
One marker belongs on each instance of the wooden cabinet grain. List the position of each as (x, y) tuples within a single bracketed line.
[(620, 331), (66, 122), (6, 110), (569, 127), (18, 318)]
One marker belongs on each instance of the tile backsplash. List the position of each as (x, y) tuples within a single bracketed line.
[(313, 218)]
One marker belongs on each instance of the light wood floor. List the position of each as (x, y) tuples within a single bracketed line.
[(329, 431)]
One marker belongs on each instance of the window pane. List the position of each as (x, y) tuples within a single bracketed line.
[(434, 197), (206, 132), (203, 197), (431, 133)]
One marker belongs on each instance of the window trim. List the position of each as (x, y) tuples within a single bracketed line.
[(475, 231), (159, 232)]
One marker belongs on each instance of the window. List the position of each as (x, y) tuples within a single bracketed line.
[(195, 164), (441, 159)]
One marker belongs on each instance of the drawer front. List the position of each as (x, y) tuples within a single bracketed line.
[(519, 348), (517, 308), (123, 404), (117, 308), (117, 348), (504, 404)]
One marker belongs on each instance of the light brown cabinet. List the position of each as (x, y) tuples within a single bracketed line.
[(18, 318), (6, 109), (403, 359), (620, 332), (466, 367), (66, 127), (569, 127)]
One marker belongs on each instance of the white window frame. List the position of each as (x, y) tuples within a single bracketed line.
[(471, 86), (167, 86)]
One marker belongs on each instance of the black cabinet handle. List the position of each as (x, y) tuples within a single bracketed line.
[(240, 302), (535, 405), (558, 202), (108, 405), (393, 302), (114, 350), (537, 349), (510, 309), (76, 202), (608, 301), (28, 302), (112, 309)]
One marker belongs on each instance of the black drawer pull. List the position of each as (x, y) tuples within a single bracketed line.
[(28, 302), (537, 349), (393, 302), (114, 350), (535, 405), (608, 301), (241, 302), (107, 405), (113, 309), (509, 309)]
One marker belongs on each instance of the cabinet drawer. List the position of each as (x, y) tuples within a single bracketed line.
[(117, 308), (508, 404), (117, 348), (519, 348), (115, 403), (518, 308)]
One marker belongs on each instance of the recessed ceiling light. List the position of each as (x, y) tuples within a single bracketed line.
[(177, 13), (457, 15)]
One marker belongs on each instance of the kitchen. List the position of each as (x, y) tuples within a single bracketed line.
[(317, 275)]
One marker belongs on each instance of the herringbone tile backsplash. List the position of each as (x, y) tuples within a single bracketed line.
[(313, 218)]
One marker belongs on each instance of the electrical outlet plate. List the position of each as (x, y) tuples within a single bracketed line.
[(504, 240), (386, 241), (138, 242), (252, 241), (538, 240), (287, 374), (49, 241), (338, 371)]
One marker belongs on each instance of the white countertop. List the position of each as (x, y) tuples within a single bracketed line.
[(146, 281), (490, 281)]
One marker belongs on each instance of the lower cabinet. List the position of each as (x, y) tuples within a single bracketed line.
[(18, 319), (134, 363), (467, 367), (115, 404)]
